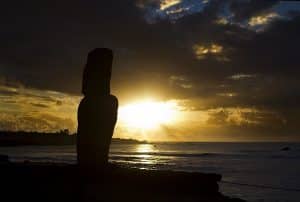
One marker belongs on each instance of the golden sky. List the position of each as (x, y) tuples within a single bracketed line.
[(149, 119)]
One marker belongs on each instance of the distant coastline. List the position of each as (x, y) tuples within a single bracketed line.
[(23, 138)]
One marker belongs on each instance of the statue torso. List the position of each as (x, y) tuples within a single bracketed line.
[(97, 117)]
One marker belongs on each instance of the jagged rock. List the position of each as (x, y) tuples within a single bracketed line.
[(59, 182)]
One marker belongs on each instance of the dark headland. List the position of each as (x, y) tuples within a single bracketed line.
[(60, 138)]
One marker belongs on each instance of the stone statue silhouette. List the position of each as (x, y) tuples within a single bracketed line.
[(97, 112)]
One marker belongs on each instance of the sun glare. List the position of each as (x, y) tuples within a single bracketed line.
[(147, 114)]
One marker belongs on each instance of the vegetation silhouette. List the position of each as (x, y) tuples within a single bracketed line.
[(59, 138), (97, 112)]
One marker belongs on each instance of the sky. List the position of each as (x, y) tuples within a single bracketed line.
[(228, 68)]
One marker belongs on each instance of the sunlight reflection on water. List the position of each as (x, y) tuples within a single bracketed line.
[(144, 148), (144, 153)]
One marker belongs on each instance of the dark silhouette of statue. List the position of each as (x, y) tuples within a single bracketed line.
[(97, 112)]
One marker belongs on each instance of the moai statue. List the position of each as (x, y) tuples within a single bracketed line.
[(97, 112)]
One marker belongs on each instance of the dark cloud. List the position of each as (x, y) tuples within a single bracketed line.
[(5, 92), (43, 122), (244, 10), (39, 105)]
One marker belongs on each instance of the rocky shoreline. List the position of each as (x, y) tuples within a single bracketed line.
[(62, 182)]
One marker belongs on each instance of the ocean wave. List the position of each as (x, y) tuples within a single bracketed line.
[(285, 156), (54, 159), (167, 154)]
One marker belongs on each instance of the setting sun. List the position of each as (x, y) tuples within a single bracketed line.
[(147, 114)]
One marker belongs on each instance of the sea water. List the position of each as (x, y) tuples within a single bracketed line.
[(243, 163)]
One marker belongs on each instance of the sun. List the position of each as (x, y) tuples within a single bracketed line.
[(147, 114)]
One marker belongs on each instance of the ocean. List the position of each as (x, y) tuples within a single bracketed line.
[(241, 164)]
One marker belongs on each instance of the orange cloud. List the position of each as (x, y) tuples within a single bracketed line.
[(202, 51)]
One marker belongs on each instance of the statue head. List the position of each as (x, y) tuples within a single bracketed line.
[(97, 72)]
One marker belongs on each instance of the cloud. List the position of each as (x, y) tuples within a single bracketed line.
[(39, 105), (171, 9), (36, 110), (203, 53), (32, 122), (180, 81), (168, 3), (242, 116), (262, 19), (227, 94), (260, 22), (246, 9), (242, 76), (253, 14)]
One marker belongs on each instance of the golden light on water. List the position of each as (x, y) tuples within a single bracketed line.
[(145, 148), (148, 114), (145, 154)]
